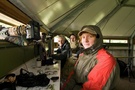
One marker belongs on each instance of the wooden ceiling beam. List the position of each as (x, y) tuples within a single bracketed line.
[(10, 10)]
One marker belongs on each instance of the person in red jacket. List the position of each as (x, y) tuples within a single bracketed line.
[(96, 68)]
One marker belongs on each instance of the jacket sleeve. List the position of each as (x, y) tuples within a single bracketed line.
[(62, 53), (70, 83), (100, 74)]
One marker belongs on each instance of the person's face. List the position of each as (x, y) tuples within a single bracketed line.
[(72, 38), (87, 40), (60, 41)]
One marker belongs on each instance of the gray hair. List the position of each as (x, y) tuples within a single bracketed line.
[(61, 36)]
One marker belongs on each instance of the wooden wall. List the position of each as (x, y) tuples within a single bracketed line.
[(12, 57)]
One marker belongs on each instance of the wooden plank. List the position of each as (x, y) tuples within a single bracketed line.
[(10, 10)]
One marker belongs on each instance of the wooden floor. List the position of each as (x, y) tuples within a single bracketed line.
[(125, 84)]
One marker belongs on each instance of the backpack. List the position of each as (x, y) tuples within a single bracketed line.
[(123, 68)]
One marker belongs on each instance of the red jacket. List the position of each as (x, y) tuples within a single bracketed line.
[(97, 71)]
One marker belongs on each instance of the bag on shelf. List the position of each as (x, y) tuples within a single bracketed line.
[(28, 79)]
